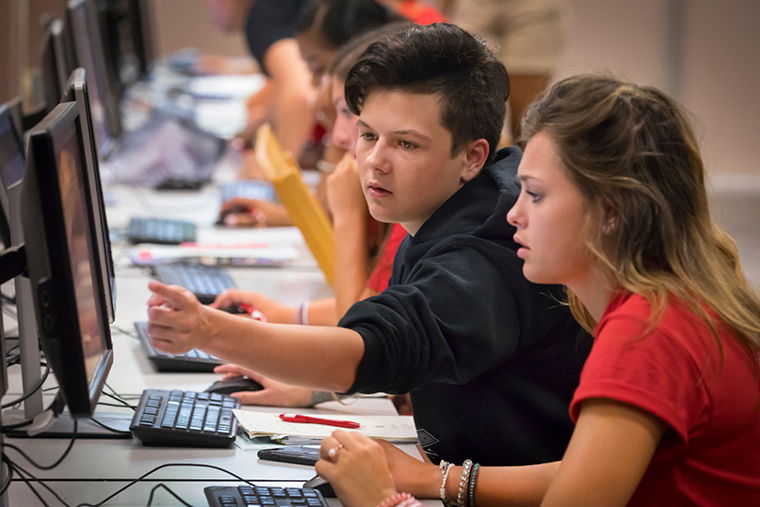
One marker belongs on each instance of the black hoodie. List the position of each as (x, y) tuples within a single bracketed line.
[(490, 359)]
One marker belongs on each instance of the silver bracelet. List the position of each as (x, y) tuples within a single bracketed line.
[(445, 469), (464, 479)]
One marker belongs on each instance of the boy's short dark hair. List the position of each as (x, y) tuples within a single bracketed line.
[(439, 59)]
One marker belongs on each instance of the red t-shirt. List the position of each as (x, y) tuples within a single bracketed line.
[(710, 455), (420, 12), (378, 280)]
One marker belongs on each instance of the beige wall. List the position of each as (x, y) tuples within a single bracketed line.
[(720, 66), (186, 23)]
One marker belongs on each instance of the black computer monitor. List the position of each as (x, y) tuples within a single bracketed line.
[(57, 61), (141, 29), (76, 90), (61, 252), (104, 95), (12, 167)]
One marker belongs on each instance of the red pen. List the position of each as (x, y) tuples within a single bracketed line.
[(297, 418)]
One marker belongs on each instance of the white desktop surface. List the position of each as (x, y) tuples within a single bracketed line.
[(96, 468)]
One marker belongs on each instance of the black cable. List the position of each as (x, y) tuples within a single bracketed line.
[(52, 406), (172, 493), (108, 428), (26, 481), (8, 299), (7, 461), (19, 470), (58, 461), (34, 389), (122, 402), (199, 465), (121, 330)]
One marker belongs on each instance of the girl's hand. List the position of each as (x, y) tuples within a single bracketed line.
[(345, 196), (355, 467), (273, 311)]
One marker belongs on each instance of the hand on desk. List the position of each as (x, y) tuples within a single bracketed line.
[(257, 212), (272, 310), (274, 394), (358, 471)]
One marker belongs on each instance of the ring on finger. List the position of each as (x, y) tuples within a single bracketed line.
[(333, 453)]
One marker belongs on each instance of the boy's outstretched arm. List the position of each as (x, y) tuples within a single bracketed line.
[(324, 358)]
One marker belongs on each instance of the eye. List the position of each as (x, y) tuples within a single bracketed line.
[(535, 197), (345, 112), (367, 136), (407, 145)]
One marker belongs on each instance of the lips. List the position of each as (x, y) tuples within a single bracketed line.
[(377, 191)]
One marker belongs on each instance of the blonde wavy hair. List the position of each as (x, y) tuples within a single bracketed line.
[(633, 154)]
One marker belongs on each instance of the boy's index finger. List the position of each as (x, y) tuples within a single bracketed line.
[(175, 297)]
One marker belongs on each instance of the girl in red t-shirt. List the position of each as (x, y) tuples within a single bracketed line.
[(613, 205)]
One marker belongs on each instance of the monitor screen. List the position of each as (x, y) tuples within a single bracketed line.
[(89, 51), (57, 212), (76, 90)]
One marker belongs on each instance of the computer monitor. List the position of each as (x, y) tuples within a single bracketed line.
[(61, 252), (76, 90), (12, 167), (57, 61), (141, 29), (104, 97)]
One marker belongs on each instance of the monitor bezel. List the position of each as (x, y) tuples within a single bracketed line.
[(8, 112), (76, 91), (49, 263), (110, 95)]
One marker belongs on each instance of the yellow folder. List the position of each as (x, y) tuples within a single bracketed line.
[(304, 210)]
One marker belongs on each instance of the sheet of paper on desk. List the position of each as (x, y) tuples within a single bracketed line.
[(253, 254), (240, 86), (394, 428)]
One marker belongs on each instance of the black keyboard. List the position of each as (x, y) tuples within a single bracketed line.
[(195, 361), (259, 190), (264, 496), (206, 282), (185, 419), (160, 231)]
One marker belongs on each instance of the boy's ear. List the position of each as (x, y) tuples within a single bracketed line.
[(476, 154)]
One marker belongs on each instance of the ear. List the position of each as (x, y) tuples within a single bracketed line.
[(475, 156)]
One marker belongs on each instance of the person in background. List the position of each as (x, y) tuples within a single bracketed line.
[(458, 327), (614, 205), (351, 224), (269, 28), (527, 35)]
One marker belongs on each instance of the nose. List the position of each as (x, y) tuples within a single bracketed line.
[(341, 136), (377, 159), (515, 215)]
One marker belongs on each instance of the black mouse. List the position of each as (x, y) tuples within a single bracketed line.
[(232, 210), (234, 385), (321, 485), (234, 309), (176, 183)]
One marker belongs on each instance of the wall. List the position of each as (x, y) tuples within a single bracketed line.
[(719, 67)]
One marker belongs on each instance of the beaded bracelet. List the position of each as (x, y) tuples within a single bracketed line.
[(464, 480), (471, 492), (445, 469)]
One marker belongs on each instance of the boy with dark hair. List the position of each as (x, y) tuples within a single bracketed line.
[(459, 327)]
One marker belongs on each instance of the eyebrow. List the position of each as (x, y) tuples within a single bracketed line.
[(408, 132), (524, 177)]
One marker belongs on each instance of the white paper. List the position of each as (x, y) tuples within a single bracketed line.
[(394, 428)]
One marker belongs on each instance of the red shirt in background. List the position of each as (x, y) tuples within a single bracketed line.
[(378, 280), (710, 454), (420, 12)]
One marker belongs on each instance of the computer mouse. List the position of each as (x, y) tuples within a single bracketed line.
[(234, 385), (321, 485), (174, 183), (234, 309), (233, 210)]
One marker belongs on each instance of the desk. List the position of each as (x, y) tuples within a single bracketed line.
[(96, 468)]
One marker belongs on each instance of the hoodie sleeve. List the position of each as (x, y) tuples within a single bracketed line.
[(455, 317)]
